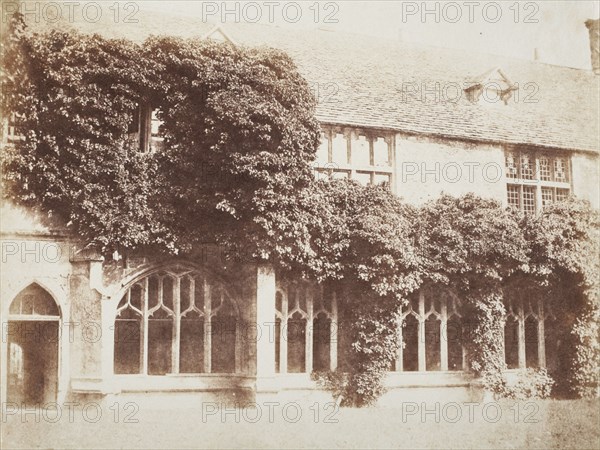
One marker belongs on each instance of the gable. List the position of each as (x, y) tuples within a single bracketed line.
[(219, 35)]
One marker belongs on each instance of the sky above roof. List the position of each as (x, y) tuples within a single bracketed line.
[(508, 28)]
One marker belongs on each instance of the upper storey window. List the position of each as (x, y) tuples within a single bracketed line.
[(358, 154), (146, 129), (10, 129), (535, 179)]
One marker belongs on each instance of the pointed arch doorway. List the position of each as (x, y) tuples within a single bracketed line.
[(33, 347)]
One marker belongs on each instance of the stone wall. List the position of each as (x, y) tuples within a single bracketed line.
[(427, 167), (586, 177)]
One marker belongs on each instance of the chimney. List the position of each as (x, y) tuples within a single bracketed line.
[(593, 25)]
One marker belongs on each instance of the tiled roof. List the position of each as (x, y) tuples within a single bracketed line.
[(370, 82)]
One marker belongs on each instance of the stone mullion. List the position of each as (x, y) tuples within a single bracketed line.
[(283, 327), (348, 136), (521, 336), (464, 351), (144, 343), (541, 335), (444, 335), (177, 326), (238, 346), (308, 362), (333, 328), (538, 187), (392, 159), (266, 295), (421, 346), (503, 331), (207, 327), (400, 353), (329, 133)]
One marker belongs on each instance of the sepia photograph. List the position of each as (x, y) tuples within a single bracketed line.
[(300, 224)]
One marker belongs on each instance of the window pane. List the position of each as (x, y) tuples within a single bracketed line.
[(547, 196), (455, 338), (531, 342), (561, 170), (512, 192), (511, 343), (128, 346), (321, 343), (363, 178), (191, 347), (296, 334), (552, 345), (432, 343), (34, 300), (155, 124), (344, 336), (381, 155), (321, 174), (360, 152), (511, 165), (410, 339), (529, 200), (156, 141), (27, 302), (562, 195), (339, 149), (152, 292), (545, 169), (277, 344), (323, 150), (379, 178), (223, 330), (160, 335), (168, 285), (340, 175), (136, 298), (527, 166), (11, 131)]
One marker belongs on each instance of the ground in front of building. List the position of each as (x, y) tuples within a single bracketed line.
[(505, 424)]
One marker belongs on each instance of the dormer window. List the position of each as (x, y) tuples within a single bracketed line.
[(145, 129), (217, 34), (492, 87)]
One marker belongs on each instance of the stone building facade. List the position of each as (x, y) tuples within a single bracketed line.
[(78, 326)]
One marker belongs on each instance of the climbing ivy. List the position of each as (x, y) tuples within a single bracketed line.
[(239, 140), (239, 129)]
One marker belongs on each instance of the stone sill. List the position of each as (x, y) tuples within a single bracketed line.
[(164, 383), (215, 381)]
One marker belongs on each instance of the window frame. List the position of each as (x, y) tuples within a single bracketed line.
[(206, 314), (141, 129), (310, 302), (449, 310), (536, 178), (10, 130), (352, 170), (520, 311)]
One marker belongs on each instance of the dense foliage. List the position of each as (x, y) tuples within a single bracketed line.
[(235, 170), (239, 136), (564, 249)]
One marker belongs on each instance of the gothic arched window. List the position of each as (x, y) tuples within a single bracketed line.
[(176, 321)]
